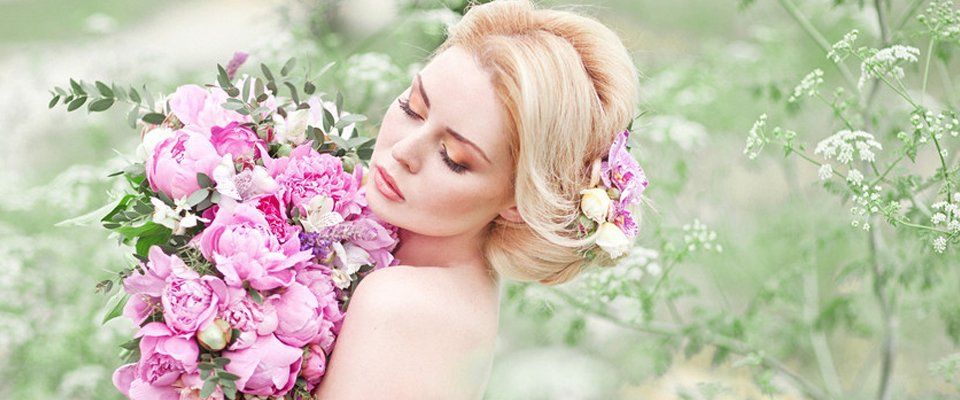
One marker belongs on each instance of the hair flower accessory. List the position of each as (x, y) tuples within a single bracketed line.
[(617, 182)]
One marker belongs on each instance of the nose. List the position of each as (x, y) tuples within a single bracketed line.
[(407, 151)]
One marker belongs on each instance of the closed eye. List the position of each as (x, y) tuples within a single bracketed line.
[(455, 167)]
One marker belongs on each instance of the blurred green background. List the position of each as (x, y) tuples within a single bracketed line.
[(791, 275)]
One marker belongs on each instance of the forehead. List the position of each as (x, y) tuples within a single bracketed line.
[(463, 98)]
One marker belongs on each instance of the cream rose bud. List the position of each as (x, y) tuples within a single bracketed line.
[(150, 141), (293, 128), (215, 335), (595, 204), (612, 239)]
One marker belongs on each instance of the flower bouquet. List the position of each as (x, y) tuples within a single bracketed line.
[(250, 228)]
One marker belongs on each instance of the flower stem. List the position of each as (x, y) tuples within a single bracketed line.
[(817, 37), (926, 68)]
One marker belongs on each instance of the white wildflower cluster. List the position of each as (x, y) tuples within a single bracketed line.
[(885, 63), (928, 123), (866, 202), (685, 133), (375, 70), (844, 144), (946, 215), (699, 236), (842, 49), (757, 137), (942, 19), (606, 284), (809, 86), (825, 172)]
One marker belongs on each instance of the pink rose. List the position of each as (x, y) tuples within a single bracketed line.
[(298, 315), (242, 246), (307, 173), (267, 368), (173, 166), (190, 303), (314, 366), (238, 140), (163, 358)]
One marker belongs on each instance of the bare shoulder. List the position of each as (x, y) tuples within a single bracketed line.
[(412, 333)]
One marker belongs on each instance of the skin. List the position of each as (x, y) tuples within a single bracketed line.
[(433, 320)]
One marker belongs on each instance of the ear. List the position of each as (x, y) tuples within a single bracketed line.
[(512, 214)]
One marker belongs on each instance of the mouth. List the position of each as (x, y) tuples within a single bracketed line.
[(390, 183)]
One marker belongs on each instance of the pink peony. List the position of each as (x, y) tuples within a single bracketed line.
[(314, 366), (238, 140), (163, 357), (317, 279), (242, 246), (189, 303), (307, 173), (298, 315), (173, 166), (200, 109), (146, 287), (275, 212), (267, 368)]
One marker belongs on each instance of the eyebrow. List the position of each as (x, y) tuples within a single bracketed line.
[(426, 100)]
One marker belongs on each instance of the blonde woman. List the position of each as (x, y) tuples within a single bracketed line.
[(491, 164)]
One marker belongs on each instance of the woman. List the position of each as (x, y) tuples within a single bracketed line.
[(480, 162)]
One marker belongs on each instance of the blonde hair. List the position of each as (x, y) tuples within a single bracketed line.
[(568, 86)]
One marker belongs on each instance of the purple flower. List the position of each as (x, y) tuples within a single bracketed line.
[(238, 59), (622, 171)]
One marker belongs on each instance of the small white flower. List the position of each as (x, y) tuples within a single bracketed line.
[(825, 172), (595, 204), (224, 174), (854, 176), (320, 214), (809, 86), (340, 279), (612, 239), (940, 244), (757, 138), (843, 144)]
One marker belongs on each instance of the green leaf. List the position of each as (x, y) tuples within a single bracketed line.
[(255, 295), (323, 70), (116, 309), (134, 95), (118, 92), (348, 120), (197, 196), (339, 102), (293, 92), (221, 361), (231, 106), (266, 72), (104, 89), (132, 117), (76, 103), (131, 344), (154, 118), (54, 101), (205, 181), (158, 235), (208, 387), (232, 91), (100, 105), (309, 88), (292, 62), (328, 120), (76, 87), (222, 78), (60, 91), (227, 376)]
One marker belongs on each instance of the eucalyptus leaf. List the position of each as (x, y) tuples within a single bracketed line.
[(293, 92), (76, 103), (290, 64), (339, 102), (205, 181), (54, 101), (100, 105), (154, 118), (208, 387), (115, 306), (134, 95), (104, 89), (76, 87), (132, 116), (197, 196), (266, 72), (309, 88)]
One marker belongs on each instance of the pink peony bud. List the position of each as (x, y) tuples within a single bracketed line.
[(215, 335)]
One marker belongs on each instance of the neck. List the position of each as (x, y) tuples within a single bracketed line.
[(457, 252)]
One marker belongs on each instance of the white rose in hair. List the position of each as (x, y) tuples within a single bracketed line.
[(612, 239), (595, 204)]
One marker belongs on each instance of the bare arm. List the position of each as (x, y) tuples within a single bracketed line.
[(402, 340)]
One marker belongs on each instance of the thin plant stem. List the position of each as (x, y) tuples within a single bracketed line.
[(926, 69), (821, 349), (734, 345), (817, 37), (909, 14), (884, 299)]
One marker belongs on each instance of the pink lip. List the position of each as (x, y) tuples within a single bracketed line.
[(390, 184)]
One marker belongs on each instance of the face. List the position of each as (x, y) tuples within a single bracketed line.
[(443, 141)]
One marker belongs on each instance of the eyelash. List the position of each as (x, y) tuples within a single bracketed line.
[(457, 168)]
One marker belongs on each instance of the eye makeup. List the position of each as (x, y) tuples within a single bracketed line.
[(455, 167)]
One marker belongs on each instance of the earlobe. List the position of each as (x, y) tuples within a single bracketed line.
[(512, 214)]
